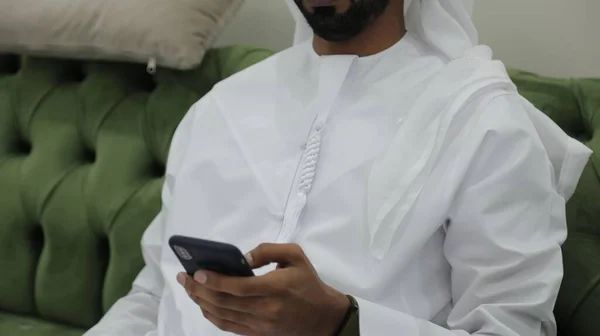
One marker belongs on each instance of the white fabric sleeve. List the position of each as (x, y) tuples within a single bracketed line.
[(503, 242), (136, 314)]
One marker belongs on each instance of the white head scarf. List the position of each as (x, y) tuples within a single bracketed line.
[(445, 25)]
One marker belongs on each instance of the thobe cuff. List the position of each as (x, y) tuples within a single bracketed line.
[(374, 319)]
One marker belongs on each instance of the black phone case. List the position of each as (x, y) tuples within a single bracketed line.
[(199, 254)]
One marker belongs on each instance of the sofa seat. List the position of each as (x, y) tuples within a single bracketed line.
[(16, 325)]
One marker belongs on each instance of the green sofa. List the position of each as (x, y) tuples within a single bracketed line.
[(82, 154)]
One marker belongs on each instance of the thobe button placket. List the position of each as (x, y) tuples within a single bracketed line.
[(331, 82), (306, 175)]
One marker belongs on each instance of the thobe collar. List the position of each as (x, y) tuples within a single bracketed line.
[(369, 68)]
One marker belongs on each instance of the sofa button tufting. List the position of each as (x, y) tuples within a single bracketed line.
[(89, 156), (23, 147), (36, 238), (71, 72), (157, 169), (10, 64), (76, 72), (147, 84)]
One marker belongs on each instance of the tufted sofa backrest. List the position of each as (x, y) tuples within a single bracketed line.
[(82, 155)]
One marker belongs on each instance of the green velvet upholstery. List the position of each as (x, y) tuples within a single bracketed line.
[(18, 325), (82, 154)]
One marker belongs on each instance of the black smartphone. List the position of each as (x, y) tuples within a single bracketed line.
[(199, 254)]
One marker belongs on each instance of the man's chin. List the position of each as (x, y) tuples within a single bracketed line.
[(335, 36)]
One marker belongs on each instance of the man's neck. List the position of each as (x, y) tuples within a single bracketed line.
[(383, 33)]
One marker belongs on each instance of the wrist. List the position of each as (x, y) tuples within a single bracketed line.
[(336, 315)]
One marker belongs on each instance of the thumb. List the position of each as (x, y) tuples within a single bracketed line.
[(283, 254)]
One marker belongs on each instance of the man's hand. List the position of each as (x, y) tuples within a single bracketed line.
[(291, 300)]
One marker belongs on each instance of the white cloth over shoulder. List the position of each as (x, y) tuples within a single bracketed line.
[(423, 133)]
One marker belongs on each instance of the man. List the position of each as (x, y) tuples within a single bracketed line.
[(387, 159)]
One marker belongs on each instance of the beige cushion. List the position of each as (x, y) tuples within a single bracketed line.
[(174, 33)]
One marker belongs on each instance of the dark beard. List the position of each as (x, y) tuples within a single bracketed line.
[(340, 27)]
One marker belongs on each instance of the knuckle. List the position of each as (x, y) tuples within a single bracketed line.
[(221, 324), (248, 306), (198, 293), (283, 284), (261, 247), (196, 299), (218, 298), (279, 287), (275, 309), (297, 249), (221, 313), (267, 326), (189, 286), (216, 282), (242, 291), (226, 326)]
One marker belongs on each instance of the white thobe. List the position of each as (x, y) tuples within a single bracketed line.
[(285, 151)]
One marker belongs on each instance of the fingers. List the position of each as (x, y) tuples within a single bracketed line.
[(239, 315), (237, 286), (219, 299), (227, 326), (222, 313), (283, 254)]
